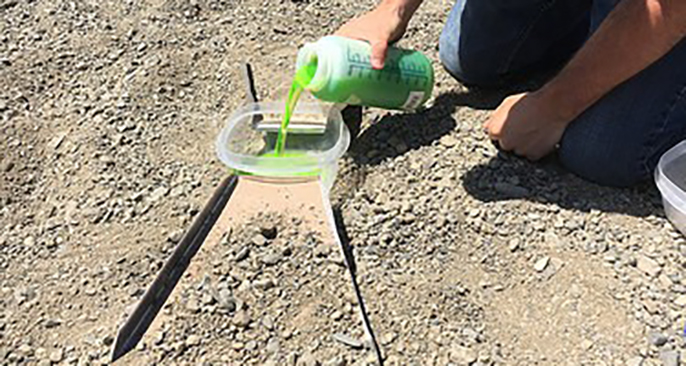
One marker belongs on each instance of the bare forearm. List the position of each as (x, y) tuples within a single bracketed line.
[(404, 8), (636, 34)]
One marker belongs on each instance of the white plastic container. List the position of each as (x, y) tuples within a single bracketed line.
[(317, 138), (670, 178)]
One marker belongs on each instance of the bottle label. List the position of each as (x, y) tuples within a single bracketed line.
[(413, 101)]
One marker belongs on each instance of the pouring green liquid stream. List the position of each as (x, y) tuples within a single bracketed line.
[(302, 78)]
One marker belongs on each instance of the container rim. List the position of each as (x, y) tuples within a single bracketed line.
[(280, 166), (667, 188)]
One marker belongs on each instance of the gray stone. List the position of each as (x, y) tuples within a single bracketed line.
[(192, 305), (271, 259), (541, 264), (192, 340), (56, 355), (648, 266), (347, 340), (259, 240), (242, 254), (226, 300), (241, 319), (657, 339), (273, 345)]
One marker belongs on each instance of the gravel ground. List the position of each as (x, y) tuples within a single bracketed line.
[(109, 112)]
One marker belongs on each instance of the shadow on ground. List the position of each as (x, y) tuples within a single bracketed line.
[(507, 177), (396, 134)]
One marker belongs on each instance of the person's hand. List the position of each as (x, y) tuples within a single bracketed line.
[(527, 125), (379, 27)]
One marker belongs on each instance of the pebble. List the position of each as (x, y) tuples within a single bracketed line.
[(647, 266), (192, 305), (271, 259), (242, 254), (226, 300), (448, 141), (241, 319), (56, 355), (462, 355), (259, 240), (29, 241), (347, 340), (541, 264), (657, 339), (681, 300), (273, 345), (192, 340)]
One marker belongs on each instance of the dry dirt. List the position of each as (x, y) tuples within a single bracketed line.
[(109, 111)]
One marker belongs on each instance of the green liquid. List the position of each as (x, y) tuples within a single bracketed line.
[(301, 157), (302, 78)]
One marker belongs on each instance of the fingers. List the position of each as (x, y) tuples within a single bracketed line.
[(378, 58)]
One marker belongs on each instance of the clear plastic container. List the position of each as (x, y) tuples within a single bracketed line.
[(317, 138), (670, 178)]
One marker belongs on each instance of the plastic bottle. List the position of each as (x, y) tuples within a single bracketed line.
[(344, 74)]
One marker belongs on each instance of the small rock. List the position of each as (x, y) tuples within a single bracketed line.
[(242, 254), (226, 300), (268, 322), (52, 323), (271, 259), (192, 340), (462, 355), (175, 236), (657, 339), (56, 355), (29, 241), (259, 240), (647, 266), (6, 166), (541, 264), (192, 305), (347, 340), (448, 141), (273, 346), (264, 284), (681, 300), (25, 350), (513, 245), (241, 319), (207, 299), (336, 315), (670, 358)]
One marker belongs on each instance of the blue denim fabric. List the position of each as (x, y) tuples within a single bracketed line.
[(618, 140)]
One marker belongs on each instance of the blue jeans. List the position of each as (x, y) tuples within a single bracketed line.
[(619, 139)]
